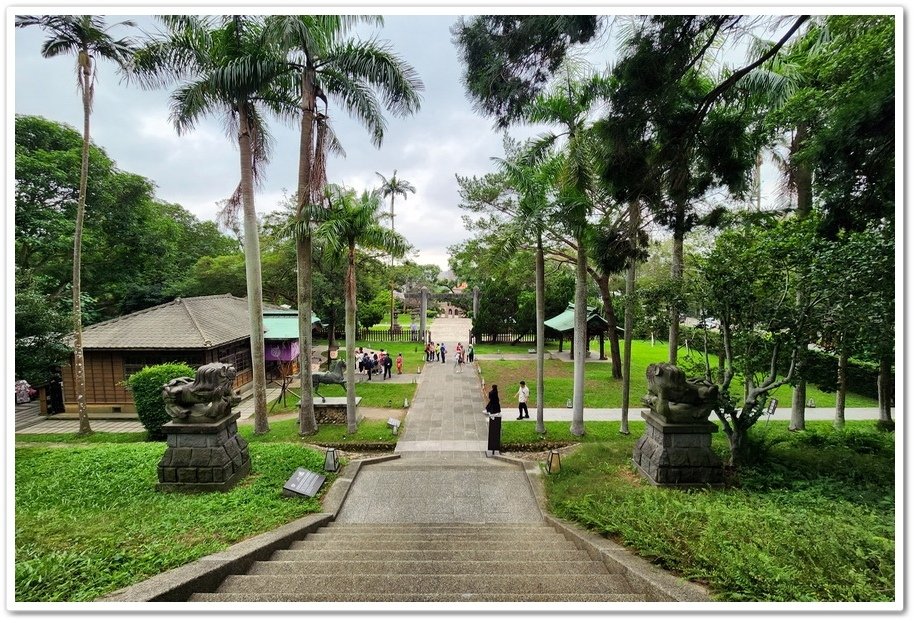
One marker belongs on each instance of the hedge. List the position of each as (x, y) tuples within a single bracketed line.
[(146, 386)]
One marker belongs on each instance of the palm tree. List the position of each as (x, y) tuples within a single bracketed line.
[(567, 104), (532, 183), (224, 66), (391, 188), (352, 220), (771, 86), (87, 37), (350, 72)]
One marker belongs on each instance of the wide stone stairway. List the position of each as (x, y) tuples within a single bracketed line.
[(428, 562), (443, 522)]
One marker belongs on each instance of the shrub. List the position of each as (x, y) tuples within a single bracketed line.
[(146, 386)]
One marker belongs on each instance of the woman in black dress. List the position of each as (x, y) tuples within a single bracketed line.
[(493, 407)]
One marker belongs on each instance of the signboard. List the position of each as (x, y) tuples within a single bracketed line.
[(303, 482)]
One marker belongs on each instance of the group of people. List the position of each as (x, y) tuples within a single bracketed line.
[(439, 352), (494, 408), (378, 363)]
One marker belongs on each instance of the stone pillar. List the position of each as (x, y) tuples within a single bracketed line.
[(677, 455), (424, 292), (203, 456)]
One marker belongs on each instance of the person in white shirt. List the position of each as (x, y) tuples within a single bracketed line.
[(522, 394)]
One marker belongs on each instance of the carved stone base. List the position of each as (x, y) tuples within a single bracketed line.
[(334, 410), (203, 456), (677, 455)]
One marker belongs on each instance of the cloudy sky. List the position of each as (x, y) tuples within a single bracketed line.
[(199, 169)]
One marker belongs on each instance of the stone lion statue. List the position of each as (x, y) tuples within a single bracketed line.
[(677, 399), (208, 396)]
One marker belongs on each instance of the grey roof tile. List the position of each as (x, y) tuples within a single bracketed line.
[(193, 322)]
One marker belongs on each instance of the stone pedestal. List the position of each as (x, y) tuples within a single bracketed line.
[(203, 456), (677, 455), (334, 410)]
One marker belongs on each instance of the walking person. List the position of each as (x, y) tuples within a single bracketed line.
[(522, 394), (470, 353), (459, 363), (436, 350), (443, 350), (399, 362), (386, 366)]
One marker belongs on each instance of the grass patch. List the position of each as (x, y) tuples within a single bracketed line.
[(602, 391), (368, 431), (75, 438), (813, 519), (376, 393), (89, 520)]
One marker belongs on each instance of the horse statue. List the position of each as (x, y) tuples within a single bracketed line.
[(208, 396), (334, 376)]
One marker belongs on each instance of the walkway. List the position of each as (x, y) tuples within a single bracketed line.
[(443, 475)]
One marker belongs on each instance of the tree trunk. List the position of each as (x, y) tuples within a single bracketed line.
[(540, 313), (610, 316), (628, 322), (253, 275), (391, 266), (885, 389), (350, 330), (805, 189), (677, 276), (579, 345), (79, 363), (839, 420), (307, 423)]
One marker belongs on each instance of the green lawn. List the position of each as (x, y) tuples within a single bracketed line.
[(403, 319), (374, 393), (601, 391), (89, 520), (813, 520)]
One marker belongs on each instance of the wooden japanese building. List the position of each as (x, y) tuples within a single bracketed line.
[(194, 330)]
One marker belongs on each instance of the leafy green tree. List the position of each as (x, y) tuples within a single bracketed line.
[(510, 59), (225, 66), (87, 37), (41, 328), (371, 313), (758, 265), (352, 220), (855, 273), (392, 187), (327, 66)]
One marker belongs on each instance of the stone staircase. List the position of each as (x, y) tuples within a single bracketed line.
[(428, 563)]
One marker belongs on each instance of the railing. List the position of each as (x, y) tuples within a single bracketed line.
[(372, 335), (506, 337)]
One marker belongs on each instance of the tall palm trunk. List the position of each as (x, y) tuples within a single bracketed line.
[(804, 186), (79, 363), (350, 330), (307, 423), (540, 313), (579, 344), (628, 321), (604, 287), (391, 265), (677, 276), (253, 275)]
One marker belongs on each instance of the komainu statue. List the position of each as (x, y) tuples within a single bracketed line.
[(208, 396), (677, 399)]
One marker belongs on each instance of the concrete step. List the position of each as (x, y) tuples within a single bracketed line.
[(325, 596), (520, 584), (558, 556), (422, 567), (432, 545), (481, 536), (436, 528)]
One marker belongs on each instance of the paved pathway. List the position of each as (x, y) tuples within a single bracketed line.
[(443, 475)]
